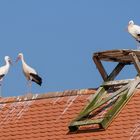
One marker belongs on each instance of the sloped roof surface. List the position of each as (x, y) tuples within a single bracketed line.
[(47, 116)]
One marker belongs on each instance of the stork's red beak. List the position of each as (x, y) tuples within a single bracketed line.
[(18, 58), (10, 61)]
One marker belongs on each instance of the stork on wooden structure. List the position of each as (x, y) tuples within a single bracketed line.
[(30, 73), (4, 70), (112, 95), (134, 30)]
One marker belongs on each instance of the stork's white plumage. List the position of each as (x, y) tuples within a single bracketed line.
[(134, 30), (4, 69), (30, 73)]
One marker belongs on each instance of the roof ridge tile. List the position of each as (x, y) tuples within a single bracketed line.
[(31, 97)]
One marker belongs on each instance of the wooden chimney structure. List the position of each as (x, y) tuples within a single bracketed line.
[(112, 95)]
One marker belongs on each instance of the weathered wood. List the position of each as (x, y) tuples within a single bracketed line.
[(117, 55), (115, 94), (116, 83), (116, 71), (121, 60), (92, 102), (124, 57), (134, 85), (108, 52), (75, 124), (100, 68), (124, 94), (113, 112), (117, 58), (119, 98), (120, 103), (86, 122), (93, 105), (118, 52), (135, 61)]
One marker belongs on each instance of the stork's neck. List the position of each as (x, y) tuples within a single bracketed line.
[(22, 60), (7, 63)]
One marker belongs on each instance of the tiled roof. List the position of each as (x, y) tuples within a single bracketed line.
[(47, 116)]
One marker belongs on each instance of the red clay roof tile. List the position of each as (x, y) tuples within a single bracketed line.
[(47, 116)]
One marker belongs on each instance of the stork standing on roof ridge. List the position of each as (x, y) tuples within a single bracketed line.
[(4, 70), (30, 73), (134, 30)]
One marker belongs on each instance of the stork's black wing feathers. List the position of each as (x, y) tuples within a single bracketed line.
[(1, 76), (36, 78)]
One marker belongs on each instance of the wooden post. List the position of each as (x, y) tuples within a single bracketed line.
[(100, 67), (123, 89), (136, 62), (116, 71), (120, 103)]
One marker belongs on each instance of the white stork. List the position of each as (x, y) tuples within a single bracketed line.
[(134, 30), (30, 73), (4, 69)]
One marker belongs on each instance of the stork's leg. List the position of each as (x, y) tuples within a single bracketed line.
[(138, 45), (0, 88), (29, 86)]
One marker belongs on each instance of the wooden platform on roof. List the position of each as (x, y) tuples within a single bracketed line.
[(117, 55), (123, 57), (112, 95)]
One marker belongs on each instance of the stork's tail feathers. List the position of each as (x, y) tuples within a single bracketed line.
[(36, 78)]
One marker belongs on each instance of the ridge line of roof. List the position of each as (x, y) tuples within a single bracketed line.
[(48, 95)]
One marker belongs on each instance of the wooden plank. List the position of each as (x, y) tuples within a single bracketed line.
[(109, 58), (101, 91), (117, 93), (120, 103), (118, 52), (134, 85), (114, 55), (123, 51), (117, 55), (108, 52), (86, 122), (136, 62), (75, 124), (100, 68), (123, 94), (93, 101), (137, 53), (115, 58), (93, 106), (113, 112), (116, 71), (117, 82), (123, 59), (126, 61)]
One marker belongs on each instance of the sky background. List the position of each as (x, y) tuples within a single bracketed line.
[(58, 39)]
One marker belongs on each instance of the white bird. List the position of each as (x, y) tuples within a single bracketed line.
[(30, 73), (134, 30), (4, 69)]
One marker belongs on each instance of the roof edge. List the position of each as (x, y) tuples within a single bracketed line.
[(31, 96)]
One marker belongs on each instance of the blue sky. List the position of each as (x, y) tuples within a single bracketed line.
[(58, 38)]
